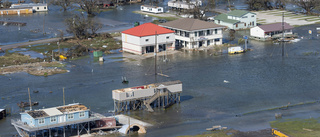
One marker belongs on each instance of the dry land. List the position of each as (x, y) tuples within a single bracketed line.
[(273, 16)]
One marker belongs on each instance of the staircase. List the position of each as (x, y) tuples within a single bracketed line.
[(149, 101)]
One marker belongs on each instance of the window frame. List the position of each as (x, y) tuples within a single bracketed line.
[(70, 116), (84, 114), (53, 119), (41, 121)]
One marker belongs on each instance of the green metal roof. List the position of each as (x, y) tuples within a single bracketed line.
[(238, 13), (224, 18)]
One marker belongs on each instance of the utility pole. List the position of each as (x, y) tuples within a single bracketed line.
[(64, 101), (155, 55), (282, 34), (30, 99), (43, 24)]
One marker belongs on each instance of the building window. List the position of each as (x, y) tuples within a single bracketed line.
[(245, 24), (252, 16), (216, 40), (195, 34), (37, 8), (208, 32), (201, 33), (245, 17), (41, 121), (187, 34), (147, 40), (159, 9), (208, 42), (81, 114), (215, 31), (53, 119), (218, 21), (141, 7), (70, 116), (45, 8), (167, 37)]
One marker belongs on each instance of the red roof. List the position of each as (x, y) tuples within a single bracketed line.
[(147, 29)]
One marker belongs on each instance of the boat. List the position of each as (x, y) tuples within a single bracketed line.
[(27, 104)]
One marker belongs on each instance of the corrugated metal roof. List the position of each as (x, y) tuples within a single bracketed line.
[(52, 111), (275, 27), (224, 18), (190, 24), (147, 29), (238, 13)]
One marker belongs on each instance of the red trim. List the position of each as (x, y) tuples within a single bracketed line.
[(132, 50)]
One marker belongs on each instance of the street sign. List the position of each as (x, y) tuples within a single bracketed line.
[(245, 37)]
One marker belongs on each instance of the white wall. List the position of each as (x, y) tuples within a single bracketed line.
[(249, 19), (257, 32), (134, 44), (131, 44)]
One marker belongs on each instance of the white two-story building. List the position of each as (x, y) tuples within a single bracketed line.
[(147, 38), (237, 19), (194, 33)]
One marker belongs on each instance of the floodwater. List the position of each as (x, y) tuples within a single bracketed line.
[(258, 80)]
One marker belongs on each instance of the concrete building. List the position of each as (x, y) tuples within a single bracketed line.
[(194, 33), (147, 38), (237, 19), (270, 31), (34, 6), (151, 9)]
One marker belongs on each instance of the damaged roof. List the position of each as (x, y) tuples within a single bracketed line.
[(54, 111)]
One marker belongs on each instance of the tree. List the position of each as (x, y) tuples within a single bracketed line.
[(280, 4), (259, 4), (198, 10), (35, 1), (232, 33), (89, 6), (6, 4), (63, 3), (82, 27), (308, 5)]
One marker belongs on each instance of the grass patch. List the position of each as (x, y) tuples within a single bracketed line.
[(53, 64), (282, 107), (298, 127), (117, 58), (311, 53), (48, 47), (130, 59), (81, 57), (222, 133), (15, 59)]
